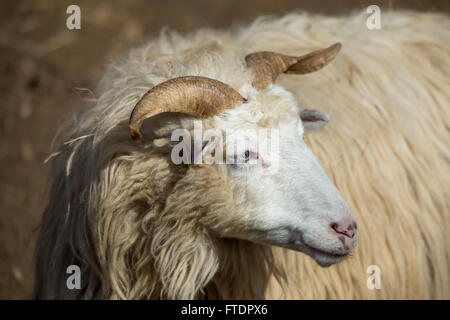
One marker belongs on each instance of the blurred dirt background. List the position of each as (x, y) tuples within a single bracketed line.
[(43, 65)]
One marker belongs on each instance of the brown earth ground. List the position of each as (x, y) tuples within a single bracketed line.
[(43, 65)]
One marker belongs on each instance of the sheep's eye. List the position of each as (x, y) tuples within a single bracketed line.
[(246, 155), (245, 158)]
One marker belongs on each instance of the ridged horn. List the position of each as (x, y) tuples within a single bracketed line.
[(269, 65), (200, 97)]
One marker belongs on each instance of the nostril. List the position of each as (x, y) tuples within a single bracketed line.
[(334, 226), (349, 231)]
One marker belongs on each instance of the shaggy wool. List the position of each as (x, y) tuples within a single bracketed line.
[(130, 218)]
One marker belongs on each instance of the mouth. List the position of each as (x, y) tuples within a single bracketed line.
[(324, 258), (295, 241), (327, 253)]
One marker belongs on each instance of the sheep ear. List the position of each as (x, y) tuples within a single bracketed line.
[(313, 119)]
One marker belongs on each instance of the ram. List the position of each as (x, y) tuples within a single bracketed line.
[(259, 222)]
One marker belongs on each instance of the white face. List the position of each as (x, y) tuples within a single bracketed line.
[(296, 205)]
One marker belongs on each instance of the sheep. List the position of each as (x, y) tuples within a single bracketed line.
[(140, 226)]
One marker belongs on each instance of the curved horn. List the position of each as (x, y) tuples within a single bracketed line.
[(196, 96), (268, 65)]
